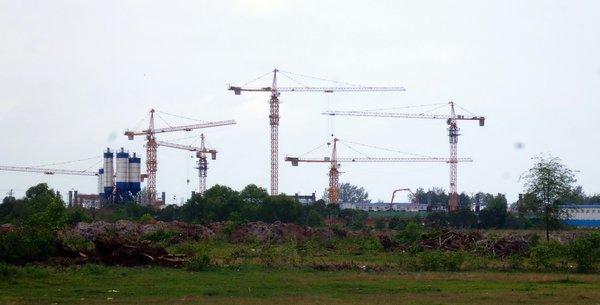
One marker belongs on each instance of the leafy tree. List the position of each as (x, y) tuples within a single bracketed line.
[(494, 214), (437, 219), (548, 181), (350, 193), (254, 194), (463, 218), (281, 208), (397, 223), (434, 197), (314, 219), (169, 213), (464, 201), (351, 216)]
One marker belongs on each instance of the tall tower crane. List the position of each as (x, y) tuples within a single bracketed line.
[(151, 147), (200, 154), (274, 113), (334, 174), (452, 134)]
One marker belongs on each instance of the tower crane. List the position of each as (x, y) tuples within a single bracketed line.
[(151, 147), (274, 113), (200, 154), (453, 134), (334, 190)]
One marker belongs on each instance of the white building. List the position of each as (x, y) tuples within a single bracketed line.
[(582, 215)]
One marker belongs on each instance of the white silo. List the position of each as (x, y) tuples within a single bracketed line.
[(134, 175), (122, 172), (108, 179), (100, 181)]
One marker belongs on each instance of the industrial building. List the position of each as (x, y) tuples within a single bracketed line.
[(383, 206), (581, 215)]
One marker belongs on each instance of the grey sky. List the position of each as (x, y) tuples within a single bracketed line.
[(75, 74)]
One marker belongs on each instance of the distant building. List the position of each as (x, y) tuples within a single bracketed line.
[(383, 206), (582, 215), (88, 201), (305, 199)]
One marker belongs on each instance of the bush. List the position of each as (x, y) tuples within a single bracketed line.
[(584, 251), (200, 262), (380, 224), (7, 271), (544, 254), (27, 244), (357, 225), (160, 236), (396, 223), (410, 234), (437, 260)]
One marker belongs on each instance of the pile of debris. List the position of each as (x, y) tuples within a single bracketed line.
[(452, 241), (276, 233), (504, 247)]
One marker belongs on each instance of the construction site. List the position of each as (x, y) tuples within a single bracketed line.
[(123, 175)]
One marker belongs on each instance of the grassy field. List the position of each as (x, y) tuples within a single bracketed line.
[(93, 284)]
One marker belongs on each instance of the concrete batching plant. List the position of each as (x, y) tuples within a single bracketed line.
[(124, 182)]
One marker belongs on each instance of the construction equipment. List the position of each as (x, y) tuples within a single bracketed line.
[(47, 171), (334, 190), (400, 190), (274, 112), (151, 147), (200, 154), (452, 134)]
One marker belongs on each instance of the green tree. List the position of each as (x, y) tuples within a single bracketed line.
[(464, 218), (437, 219), (434, 197), (549, 181), (465, 202), (350, 193), (254, 194), (494, 214), (281, 208)]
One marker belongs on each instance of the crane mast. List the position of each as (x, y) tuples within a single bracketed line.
[(333, 192), (203, 164), (152, 145), (274, 113), (453, 133)]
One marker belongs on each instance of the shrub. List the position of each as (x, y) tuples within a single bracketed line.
[(27, 244), (146, 218), (431, 260), (163, 236), (396, 223), (543, 255), (379, 224), (200, 262), (410, 234), (357, 225), (584, 251), (7, 271), (437, 260)]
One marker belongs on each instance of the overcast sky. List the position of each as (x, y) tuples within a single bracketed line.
[(75, 74)]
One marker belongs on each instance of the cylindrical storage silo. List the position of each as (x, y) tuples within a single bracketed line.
[(134, 175), (122, 172), (100, 181), (108, 179)]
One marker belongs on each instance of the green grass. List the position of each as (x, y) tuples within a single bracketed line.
[(94, 284)]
